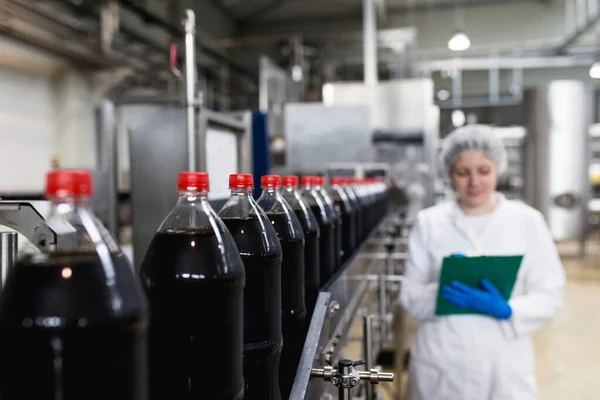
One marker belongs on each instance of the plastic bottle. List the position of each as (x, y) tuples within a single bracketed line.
[(194, 278), (326, 229), (73, 320), (364, 207), (357, 216), (293, 305), (310, 226), (337, 218), (262, 255), (344, 207)]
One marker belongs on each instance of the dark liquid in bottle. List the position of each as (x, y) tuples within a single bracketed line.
[(262, 309), (348, 230), (68, 333), (357, 221), (196, 317), (326, 247), (311, 265), (293, 305), (339, 251)]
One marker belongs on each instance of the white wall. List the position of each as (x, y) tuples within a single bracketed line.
[(26, 130), (75, 136), (45, 115)]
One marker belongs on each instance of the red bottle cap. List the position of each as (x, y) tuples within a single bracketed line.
[(319, 180), (270, 181), (240, 181), (193, 181), (291, 180), (336, 180), (61, 183), (84, 183), (308, 180)]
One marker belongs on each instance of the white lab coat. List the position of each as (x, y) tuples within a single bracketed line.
[(476, 357)]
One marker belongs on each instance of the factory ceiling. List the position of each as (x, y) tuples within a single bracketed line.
[(271, 13)]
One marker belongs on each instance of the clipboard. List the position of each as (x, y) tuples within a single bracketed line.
[(500, 270)]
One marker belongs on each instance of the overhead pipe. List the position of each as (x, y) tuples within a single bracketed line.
[(392, 10), (370, 42), (585, 21), (153, 19), (581, 13), (189, 24)]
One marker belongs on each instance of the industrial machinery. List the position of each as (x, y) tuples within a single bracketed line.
[(185, 136), (362, 294), (557, 157), (25, 219)]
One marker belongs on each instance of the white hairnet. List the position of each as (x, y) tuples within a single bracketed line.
[(473, 137)]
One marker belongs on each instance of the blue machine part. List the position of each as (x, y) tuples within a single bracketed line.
[(260, 149)]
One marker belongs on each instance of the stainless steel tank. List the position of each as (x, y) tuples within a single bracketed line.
[(556, 158)]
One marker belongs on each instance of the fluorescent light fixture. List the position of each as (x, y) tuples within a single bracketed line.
[(458, 118), (443, 95), (296, 73), (595, 70), (459, 41)]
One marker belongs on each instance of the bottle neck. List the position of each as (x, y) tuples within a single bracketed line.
[(62, 207), (290, 189), (83, 201), (270, 190), (192, 196), (241, 191)]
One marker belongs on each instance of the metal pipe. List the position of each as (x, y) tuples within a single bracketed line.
[(109, 162), (570, 18), (381, 376), (383, 303), (508, 62), (457, 88), (581, 13), (593, 10), (368, 349), (572, 37), (369, 42), (517, 81), (345, 367), (8, 254), (151, 18), (494, 83), (190, 86)]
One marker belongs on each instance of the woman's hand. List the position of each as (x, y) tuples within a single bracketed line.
[(489, 300)]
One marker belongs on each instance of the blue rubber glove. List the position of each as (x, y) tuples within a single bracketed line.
[(489, 300), (458, 255)]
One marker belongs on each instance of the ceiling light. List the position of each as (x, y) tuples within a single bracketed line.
[(595, 70), (443, 95), (459, 41), (296, 73), (458, 118)]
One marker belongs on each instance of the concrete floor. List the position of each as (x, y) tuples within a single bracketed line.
[(567, 350)]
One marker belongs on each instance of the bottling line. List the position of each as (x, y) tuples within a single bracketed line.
[(184, 136)]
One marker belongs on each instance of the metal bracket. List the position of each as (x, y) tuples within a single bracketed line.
[(345, 377)]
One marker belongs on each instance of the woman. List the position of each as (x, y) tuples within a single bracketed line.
[(485, 356)]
